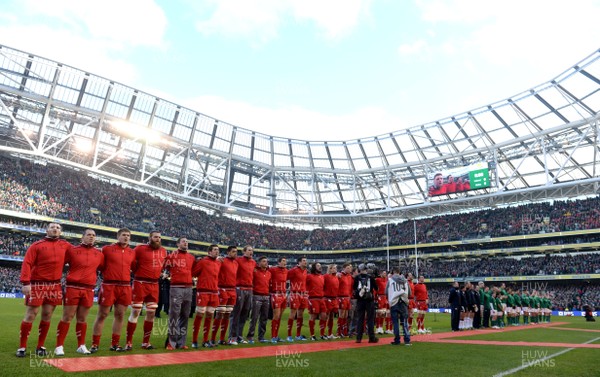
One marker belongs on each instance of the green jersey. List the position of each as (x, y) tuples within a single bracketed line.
[(517, 300), (510, 301), (498, 304)]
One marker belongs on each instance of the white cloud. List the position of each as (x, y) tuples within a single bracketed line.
[(232, 18), (260, 20), (297, 122), (92, 36), (493, 52), (546, 35), (128, 23), (417, 47), (59, 45), (456, 10), (336, 18)]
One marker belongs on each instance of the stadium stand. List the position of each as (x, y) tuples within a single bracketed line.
[(70, 195)]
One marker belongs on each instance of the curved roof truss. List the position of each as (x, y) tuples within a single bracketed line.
[(539, 144)]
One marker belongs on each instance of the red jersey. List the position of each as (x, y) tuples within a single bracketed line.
[(228, 273), (84, 262), (297, 278), (44, 261), (245, 272), (278, 279), (420, 291), (346, 285), (315, 284), (149, 263), (437, 191), (450, 187), (332, 285), (119, 261), (381, 284), (412, 290), (207, 269), (261, 281), (179, 264)]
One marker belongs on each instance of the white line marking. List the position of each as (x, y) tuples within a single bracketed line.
[(539, 361)]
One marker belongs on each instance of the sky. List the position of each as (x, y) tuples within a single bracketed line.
[(313, 69)]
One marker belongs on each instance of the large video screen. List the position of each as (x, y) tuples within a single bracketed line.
[(466, 178)]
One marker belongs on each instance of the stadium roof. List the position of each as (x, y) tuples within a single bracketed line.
[(537, 145)]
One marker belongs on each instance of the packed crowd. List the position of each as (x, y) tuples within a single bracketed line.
[(526, 266), (67, 194), (9, 279), (15, 244)]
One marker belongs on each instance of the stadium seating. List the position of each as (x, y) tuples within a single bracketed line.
[(66, 194)]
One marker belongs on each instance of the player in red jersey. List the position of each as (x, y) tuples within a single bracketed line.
[(207, 294), (243, 291), (227, 297), (344, 295), (115, 291), (40, 277), (278, 297), (260, 301), (298, 298), (450, 184), (84, 262), (383, 308), (422, 301), (315, 284), (412, 305), (330, 292), (437, 188), (149, 262), (179, 264)]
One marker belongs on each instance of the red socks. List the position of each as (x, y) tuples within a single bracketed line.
[(43, 332), (197, 323), (130, 330), (96, 340), (80, 331), (61, 333), (215, 328), (207, 323), (147, 331), (24, 333), (116, 338)]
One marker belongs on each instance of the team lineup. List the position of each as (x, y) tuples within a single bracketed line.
[(230, 290)]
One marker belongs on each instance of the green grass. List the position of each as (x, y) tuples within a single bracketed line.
[(530, 334), (422, 359)]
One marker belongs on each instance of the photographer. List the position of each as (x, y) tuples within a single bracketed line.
[(397, 291), (365, 290)]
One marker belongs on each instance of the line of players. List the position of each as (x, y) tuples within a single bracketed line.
[(228, 289), (483, 306)]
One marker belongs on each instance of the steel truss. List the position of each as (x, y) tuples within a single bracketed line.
[(540, 144)]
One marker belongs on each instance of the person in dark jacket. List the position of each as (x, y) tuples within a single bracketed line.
[(454, 301), (365, 290)]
